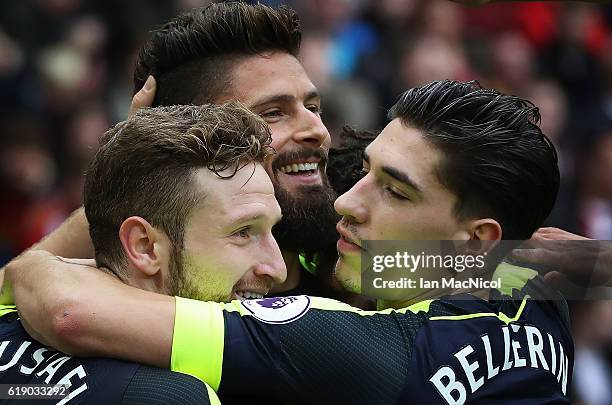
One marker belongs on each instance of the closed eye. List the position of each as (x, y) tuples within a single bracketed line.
[(271, 114), (394, 194), (243, 233)]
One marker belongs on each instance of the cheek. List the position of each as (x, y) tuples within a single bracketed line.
[(389, 223), (413, 223), (326, 142), (281, 133), (237, 262), (208, 277)]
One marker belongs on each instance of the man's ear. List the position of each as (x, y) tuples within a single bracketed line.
[(145, 247), (484, 234), (485, 229)]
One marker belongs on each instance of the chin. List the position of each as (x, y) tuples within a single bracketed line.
[(348, 279)]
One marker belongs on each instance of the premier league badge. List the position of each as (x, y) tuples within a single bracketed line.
[(278, 310)]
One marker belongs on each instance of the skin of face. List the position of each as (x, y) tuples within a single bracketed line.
[(229, 251), (399, 198), (275, 86)]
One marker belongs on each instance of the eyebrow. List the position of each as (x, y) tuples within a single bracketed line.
[(396, 174), (284, 98), (252, 218)]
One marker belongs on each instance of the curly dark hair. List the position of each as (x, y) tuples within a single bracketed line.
[(344, 167)]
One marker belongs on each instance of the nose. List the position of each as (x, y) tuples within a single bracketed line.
[(271, 263), (312, 132), (352, 203)]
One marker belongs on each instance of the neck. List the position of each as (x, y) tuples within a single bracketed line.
[(294, 270), (134, 278), (115, 274)]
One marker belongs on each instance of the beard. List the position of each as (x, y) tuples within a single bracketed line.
[(176, 279), (309, 220), (206, 286)]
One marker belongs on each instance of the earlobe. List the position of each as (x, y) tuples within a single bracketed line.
[(483, 235), (138, 239)]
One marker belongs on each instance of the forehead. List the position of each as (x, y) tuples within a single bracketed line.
[(272, 74), (405, 149), (249, 190)]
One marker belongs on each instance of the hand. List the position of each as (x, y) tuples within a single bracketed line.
[(570, 257), (144, 97)]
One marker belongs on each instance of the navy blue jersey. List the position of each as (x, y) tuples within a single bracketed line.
[(91, 381), (454, 350)]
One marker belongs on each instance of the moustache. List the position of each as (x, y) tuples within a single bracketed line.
[(347, 224), (289, 157)]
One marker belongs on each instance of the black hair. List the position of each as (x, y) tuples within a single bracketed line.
[(345, 163), (192, 55), (496, 161)]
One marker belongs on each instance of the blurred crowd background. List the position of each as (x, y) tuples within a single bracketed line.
[(66, 76)]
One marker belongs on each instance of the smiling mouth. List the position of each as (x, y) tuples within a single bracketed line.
[(300, 168), (248, 295)]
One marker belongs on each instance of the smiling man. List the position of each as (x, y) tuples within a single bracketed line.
[(178, 203), (456, 162), (234, 51)]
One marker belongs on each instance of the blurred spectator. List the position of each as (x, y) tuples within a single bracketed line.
[(592, 332), (595, 192), (431, 58), (513, 64)]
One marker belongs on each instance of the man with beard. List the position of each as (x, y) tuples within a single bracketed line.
[(178, 203), (236, 51), (456, 163)]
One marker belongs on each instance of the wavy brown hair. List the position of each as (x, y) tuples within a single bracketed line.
[(145, 168)]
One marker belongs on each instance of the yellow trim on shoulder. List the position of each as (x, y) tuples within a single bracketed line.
[(212, 396), (197, 344), (501, 316), (512, 277), (7, 309), (6, 292), (328, 304)]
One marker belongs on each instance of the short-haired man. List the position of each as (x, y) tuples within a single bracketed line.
[(455, 163), (178, 203), (248, 53)]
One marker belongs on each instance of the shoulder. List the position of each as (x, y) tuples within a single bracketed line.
[(164, 386)]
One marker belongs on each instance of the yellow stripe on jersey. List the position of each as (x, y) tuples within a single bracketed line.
[(6, 293), (197, 345), (501, 316), (512, 277), (7, 309), (212, 396)]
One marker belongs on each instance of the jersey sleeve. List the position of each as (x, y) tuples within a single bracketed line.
[(151, 386), (299, 349)]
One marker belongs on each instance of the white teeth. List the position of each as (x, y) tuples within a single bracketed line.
[(299, 167), (248, 295)]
